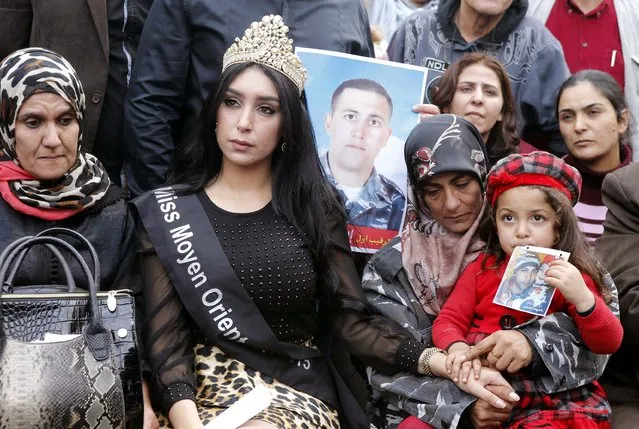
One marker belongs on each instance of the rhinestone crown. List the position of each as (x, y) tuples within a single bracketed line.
[(266, 43)]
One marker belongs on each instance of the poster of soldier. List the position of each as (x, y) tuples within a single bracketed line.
[(523, 286), (361, 110)]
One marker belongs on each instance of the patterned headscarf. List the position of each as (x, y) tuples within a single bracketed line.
[(22, 74), (433, 257)]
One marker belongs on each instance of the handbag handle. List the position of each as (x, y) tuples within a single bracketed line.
[(68, 275), (82, 238), (98, 337), (7, 284), (52, 232)]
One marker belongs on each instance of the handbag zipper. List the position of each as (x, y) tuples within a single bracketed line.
[(110, 296)]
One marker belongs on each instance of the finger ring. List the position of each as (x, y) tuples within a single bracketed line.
[(495, 356)]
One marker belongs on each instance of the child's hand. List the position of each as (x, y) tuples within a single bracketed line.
[(453, 360), (457, 365), (467, 364), (566, 277)]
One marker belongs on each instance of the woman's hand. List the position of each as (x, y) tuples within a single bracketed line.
[(457, 366), (504, 350), (566, 277), (150, 420), (492, 388), (483, 415), (426, 110)]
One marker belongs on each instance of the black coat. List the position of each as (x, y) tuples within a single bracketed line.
[(108, 226), (179, 60)]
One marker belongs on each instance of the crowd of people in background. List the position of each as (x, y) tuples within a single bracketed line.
[(129, 120)]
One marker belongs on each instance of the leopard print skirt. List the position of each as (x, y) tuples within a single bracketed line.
[(221, 381)]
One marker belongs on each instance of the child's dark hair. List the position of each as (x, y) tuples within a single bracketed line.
[(569, 238)]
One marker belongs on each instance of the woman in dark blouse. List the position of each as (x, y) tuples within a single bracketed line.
[(246, 263)]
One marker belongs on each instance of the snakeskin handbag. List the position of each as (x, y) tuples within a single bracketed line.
[(85, 378)]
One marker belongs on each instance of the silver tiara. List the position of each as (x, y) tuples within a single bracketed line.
[(266, 43)]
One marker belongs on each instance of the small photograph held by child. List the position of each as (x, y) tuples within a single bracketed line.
[(523, 286)]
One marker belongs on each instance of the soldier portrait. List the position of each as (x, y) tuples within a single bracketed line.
[(523, 286), (514, 289), (361, 111), (359, 127)]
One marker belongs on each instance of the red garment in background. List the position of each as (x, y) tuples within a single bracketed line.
[(590, 41), (412, 422), (525, 148)]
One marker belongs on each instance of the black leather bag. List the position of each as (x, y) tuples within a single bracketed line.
[(28, 312)]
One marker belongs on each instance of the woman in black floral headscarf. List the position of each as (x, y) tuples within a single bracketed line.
[(410, 279), (43, 172)]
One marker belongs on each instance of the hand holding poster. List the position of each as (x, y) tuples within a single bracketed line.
[(361, 110), (523, 286)]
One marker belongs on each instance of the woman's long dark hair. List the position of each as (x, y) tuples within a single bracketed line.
[(301, 193), (503, 138)]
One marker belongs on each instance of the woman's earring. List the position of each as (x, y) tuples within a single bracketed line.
[(283, 147), (216, 127)]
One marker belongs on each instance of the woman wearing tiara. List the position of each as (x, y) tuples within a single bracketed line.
[(246, 263)]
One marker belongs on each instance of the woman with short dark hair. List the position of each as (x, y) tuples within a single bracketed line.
[(477, 88)]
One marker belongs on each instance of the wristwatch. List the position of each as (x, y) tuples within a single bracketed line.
[(423, 363)]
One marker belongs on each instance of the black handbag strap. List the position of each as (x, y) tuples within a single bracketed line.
[(54, 232), (7, 285), (95, 332), (57, 231)]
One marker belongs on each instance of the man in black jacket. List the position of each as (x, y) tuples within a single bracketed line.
[(180, 59)]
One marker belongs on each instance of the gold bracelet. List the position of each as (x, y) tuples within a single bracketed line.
[(423, 363)]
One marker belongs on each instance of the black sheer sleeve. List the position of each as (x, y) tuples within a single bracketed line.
[(169, 347), (379, 342)]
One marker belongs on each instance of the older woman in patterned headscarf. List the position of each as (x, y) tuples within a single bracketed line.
[(46, 179), (43, 170), (410, 279)]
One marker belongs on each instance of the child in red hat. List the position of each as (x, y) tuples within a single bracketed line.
[(531, 199)]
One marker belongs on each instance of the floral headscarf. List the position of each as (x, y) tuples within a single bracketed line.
[(22, 74), (433, 257)]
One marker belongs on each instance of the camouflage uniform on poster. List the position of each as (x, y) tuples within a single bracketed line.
[(559, 356), (379, 204)]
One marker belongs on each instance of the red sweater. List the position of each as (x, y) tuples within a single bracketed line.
[(470, 310)]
